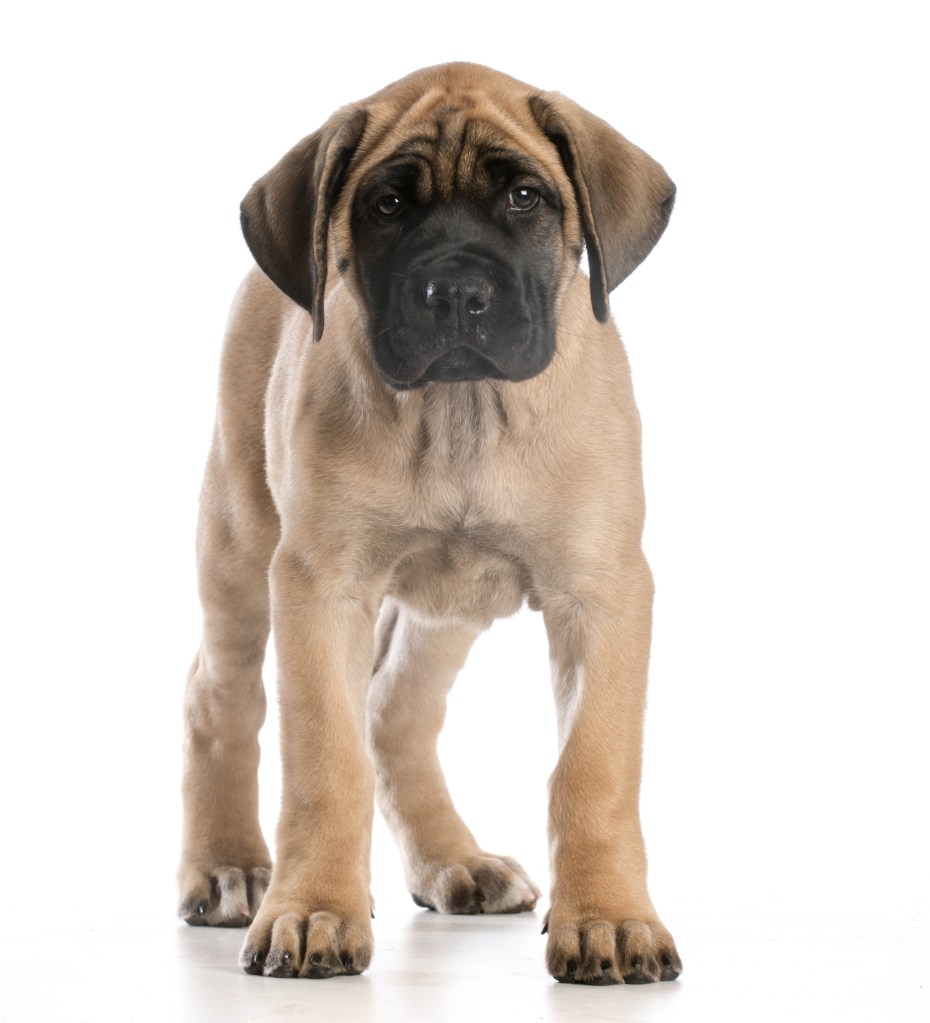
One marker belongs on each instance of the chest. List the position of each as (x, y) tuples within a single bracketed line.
[(472, 575)]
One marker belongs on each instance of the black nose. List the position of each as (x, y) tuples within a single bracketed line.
[(462, 297)]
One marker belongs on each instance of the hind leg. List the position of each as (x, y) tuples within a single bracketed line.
[(225, 863), (446, 869)]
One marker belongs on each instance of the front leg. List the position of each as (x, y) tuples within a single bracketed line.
[(315, 918), (602, 926)]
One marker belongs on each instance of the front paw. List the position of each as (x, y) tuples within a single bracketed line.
[(221, 895), (595, 949), (288, 940)]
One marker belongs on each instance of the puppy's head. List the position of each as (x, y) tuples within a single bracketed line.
[(455, 203)]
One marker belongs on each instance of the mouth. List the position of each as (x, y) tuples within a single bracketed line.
[(459, 364)]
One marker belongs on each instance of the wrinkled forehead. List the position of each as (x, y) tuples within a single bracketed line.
[(457, 141)]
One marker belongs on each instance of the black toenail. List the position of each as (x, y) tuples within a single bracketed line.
[(316, 958), (286, 958), (256, 958), (572, 966), (606, 964), (201, 908)]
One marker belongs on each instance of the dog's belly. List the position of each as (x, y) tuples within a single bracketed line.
[(459, 577)]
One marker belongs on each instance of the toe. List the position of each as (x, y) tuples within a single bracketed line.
[(563, 953), (285, 953), (670, 964), (599, 960), (252, 959), (638, 953)]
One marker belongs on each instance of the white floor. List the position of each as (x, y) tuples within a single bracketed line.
[(433, 968)]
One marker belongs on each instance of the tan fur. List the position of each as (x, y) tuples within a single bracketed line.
[(392, 527)]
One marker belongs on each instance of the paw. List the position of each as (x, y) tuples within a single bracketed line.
[(600, 951), (484, 884), (285, 943), (222, 896)]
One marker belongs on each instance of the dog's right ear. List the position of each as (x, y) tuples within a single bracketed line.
[(285, 216)]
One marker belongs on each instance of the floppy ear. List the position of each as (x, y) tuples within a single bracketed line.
[(624, 197), (285, 216)]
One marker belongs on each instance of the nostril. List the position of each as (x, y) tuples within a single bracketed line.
[(441, 307), (477, 293), (437, 299)]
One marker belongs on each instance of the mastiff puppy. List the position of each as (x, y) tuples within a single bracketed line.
[(425, 419)]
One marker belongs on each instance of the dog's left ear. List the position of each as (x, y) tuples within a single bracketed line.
[(285, 216), (624, 197)]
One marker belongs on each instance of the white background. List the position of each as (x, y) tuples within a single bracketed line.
[(778, 336)]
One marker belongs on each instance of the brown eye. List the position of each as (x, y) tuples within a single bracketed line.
[(389, 205), (523, 199)]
